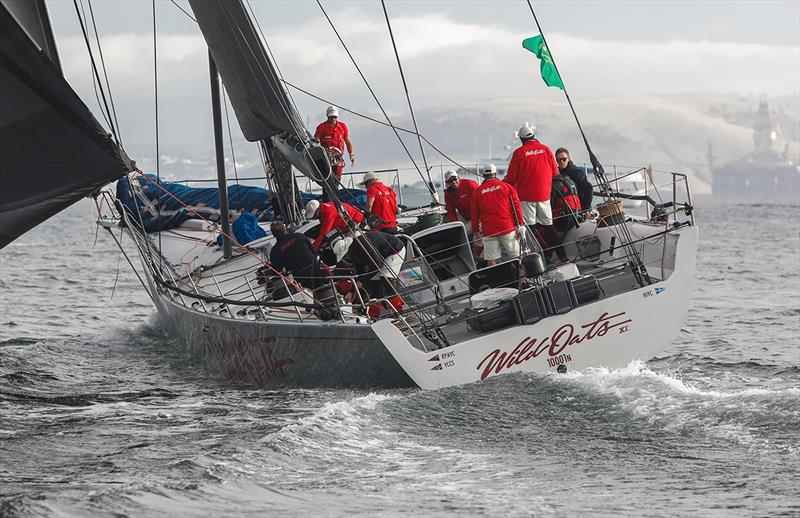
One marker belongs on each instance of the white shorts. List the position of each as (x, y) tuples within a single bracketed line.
[(392, 265), (492, 246), (537, 212)]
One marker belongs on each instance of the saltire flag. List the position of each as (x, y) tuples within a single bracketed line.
[(550, 75)]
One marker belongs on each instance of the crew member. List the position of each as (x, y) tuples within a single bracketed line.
[(334, 136), (531, 171), (292, 253), (565, 202), (458, 198), (381, 206), (330, 219), (584, 186), (377, 258), (496, 216)]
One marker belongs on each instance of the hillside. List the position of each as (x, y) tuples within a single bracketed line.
[(670, 133)]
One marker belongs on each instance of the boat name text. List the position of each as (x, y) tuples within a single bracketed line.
[(565, 336)]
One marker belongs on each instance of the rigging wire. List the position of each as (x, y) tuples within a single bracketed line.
[(230, 140), (96, 77), (382, 123), (82, 15), (599, 172), (302, 135), (371, 91), (176, 4), (328, 101), (98, 85), (105, 73), (408, 98), (639, 269)]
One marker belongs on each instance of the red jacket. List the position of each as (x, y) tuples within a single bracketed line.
[(332, 136), (531, 171), (565, 198), (492, 208), (329, 219), (460, 201), (384, 206)]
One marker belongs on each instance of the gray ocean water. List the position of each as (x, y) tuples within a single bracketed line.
[(103, 415)]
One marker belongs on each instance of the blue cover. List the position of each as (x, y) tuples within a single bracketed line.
[(205, 202), (245, 229)]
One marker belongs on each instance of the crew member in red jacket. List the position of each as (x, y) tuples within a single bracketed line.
[(458, 198), (333, 135), (531, 171), (329, 218), (381, 206), (497, 216)]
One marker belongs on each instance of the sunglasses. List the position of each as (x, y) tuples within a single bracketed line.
[(451, 180), (563, 159)]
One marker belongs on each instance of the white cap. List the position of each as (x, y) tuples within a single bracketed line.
[(526, 132), (332, 111), (369, 175), (311, 208), (450, 174), (489, 170)]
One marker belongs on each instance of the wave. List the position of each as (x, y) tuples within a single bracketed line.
[(756, 416)]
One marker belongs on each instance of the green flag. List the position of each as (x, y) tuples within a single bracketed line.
[(550, 75)]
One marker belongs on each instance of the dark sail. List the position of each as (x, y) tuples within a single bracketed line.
[(52, 150), (32, 16), (261, 104)]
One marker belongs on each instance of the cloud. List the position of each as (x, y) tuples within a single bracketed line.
[(446, 62)]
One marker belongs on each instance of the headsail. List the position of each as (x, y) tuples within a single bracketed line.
[(261, 104), (52, 150)]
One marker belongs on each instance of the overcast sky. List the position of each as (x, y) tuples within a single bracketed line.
[(453, 52)]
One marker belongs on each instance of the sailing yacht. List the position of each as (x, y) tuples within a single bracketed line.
[(622, 296)]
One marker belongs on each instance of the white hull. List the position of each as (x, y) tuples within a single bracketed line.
[(611, 333), (291, 347)]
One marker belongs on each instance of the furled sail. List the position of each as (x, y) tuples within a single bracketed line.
[(52, 150), (261, 104)]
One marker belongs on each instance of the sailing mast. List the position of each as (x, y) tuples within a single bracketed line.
[(219, 151)]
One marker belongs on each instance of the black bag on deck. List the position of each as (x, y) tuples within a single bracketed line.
[(559, 297), (586, 289), (530, 307), (503, 275), (483, 321)]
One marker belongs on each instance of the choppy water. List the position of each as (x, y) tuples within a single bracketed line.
[(102, 415)]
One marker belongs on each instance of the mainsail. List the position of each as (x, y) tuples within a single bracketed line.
[(52, 150), (261, 104)]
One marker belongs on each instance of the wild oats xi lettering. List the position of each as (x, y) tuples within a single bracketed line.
[(565, 336)]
